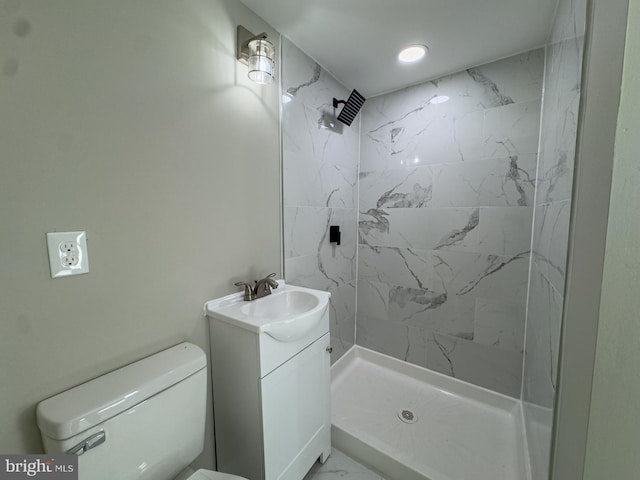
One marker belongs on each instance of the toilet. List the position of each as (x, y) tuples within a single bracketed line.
[(143, 421)]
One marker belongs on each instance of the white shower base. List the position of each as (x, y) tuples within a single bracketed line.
[(461, 432)]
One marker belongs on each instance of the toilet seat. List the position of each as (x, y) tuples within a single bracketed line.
[(203, 474)]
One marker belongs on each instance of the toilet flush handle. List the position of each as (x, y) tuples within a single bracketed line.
[(87, 444)]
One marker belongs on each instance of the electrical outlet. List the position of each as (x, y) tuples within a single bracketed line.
[(69, 246), (70, 260), (67, 253)]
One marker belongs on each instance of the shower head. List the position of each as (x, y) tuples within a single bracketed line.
[(351, 107)]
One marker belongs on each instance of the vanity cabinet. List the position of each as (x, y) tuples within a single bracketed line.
[(270, 399)]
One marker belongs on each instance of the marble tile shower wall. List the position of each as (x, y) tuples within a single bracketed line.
[(320, 185), (551, 227), (445, 214)]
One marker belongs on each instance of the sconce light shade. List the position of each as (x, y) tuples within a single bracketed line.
[(261, 65), (257, 53)]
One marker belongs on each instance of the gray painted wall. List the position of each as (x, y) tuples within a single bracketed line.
[(614, 424), (132, 121), (602, 74)]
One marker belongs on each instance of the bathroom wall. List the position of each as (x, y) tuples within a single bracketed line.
[(320, 176), (551, 226), (132, 121), (446, 202), (614, 422)]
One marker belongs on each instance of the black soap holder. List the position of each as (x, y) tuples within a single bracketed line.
[(334, 234)]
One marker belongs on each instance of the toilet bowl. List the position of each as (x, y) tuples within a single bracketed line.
[(144, 421)]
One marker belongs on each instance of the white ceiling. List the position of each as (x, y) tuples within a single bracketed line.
[(358, 40)]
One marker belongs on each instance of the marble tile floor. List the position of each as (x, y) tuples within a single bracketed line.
[(340, 466)]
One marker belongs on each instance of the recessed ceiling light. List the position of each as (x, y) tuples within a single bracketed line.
[(412, 53), (439, 99)]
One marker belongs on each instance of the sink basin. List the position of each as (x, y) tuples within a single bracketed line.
[(281, 306), (286, 315)]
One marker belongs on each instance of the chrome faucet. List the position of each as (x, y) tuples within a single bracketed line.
[(262, 288)]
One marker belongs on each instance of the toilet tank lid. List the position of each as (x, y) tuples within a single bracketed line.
[(80, 408)]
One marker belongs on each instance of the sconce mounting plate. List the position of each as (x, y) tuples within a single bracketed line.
[(243, 37)]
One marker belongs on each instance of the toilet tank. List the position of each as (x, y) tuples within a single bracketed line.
[(142, 421)]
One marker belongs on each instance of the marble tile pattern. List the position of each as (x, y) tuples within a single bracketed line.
[(320, 180), (339, 466), (554, 179), (446, 198)]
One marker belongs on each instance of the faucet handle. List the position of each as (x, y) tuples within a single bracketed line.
[(271, 283), (248, 290)]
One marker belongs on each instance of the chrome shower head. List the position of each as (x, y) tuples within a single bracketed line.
[(351, 107)]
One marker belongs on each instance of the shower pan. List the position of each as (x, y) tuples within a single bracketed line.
[(413, 424)]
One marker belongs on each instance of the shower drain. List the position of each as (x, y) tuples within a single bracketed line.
[(407, 416)]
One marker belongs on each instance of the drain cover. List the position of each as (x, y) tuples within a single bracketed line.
[(407, 416)]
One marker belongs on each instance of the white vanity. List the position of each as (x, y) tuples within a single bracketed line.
[(270, 371)]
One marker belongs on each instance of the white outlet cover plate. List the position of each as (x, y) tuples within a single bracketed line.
[(57, 255)]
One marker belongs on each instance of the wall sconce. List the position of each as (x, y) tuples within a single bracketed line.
[(257, 52)]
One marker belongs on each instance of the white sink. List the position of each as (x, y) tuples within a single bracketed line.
[(286, 315), (282, 304)]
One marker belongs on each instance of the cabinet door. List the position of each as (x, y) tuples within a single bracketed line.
[(296, 417)]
